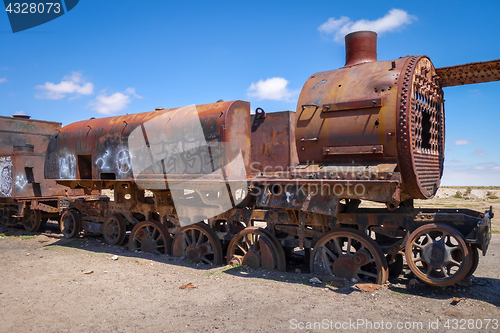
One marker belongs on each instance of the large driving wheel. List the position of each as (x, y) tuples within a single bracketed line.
[(349, 253), (438, 255), (33, 220), (198, 243), (71, 223), (150, 236), (253, 247), (280, 253), (113, 230)]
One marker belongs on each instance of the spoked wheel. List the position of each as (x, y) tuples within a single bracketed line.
[(438, 255), (33, 221), (113, 229), (280, 253), (198, 243), (71, 223), (349, 253), (254, 247), (150, 236)]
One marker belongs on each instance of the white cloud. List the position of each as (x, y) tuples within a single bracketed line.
[(480, 174), (394, 19), (461, 142), (109, 104), (274, 88), (3, 79), (70, 84), (479, 152)]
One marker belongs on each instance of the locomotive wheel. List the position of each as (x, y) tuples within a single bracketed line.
[(198, 243), (34, 220), (150, 236), (438, 255), (349, 253), (71, 223), (280, 252), (253, 247), (113, 230), (474, 256)]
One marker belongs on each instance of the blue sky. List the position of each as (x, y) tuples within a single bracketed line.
[(115, 57)]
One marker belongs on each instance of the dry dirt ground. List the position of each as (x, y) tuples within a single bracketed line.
[(52, 284)]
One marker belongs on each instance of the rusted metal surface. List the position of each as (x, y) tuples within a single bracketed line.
[(383, 111), (360, 47), (103, 149), (23, 143), (273, 142), (475, 72)]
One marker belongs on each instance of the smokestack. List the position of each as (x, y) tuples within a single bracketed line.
[(360, 47)]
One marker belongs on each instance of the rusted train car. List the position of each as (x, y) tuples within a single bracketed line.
[(199, 181), (26, 196)]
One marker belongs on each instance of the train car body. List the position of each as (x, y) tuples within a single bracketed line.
[(26, 196), (196, 181)]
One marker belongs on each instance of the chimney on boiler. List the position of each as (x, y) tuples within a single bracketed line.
[(360, 47)]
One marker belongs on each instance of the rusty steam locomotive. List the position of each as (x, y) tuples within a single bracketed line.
[(211, 181)]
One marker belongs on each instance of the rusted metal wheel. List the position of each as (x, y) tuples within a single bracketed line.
[(280, 253), (70, 223), (349, 253), (150, 236), (113, 230), (253, 247), (33, 220), (438, 255), (474, 256), (198, 243)]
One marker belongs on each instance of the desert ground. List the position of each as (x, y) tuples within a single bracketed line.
[(53, 284)]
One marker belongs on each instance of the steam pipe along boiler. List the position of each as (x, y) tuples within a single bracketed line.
[(210, 181)]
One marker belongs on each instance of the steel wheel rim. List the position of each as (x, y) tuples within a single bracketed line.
[(198, 243), (350, 254), (151, 237), (438, 255), (69, 224), (252, 247), (34, 220), (113, 230)]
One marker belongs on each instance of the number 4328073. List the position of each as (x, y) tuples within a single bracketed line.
[(33, 8)]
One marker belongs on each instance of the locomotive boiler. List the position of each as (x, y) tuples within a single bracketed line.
[(212, 181)]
